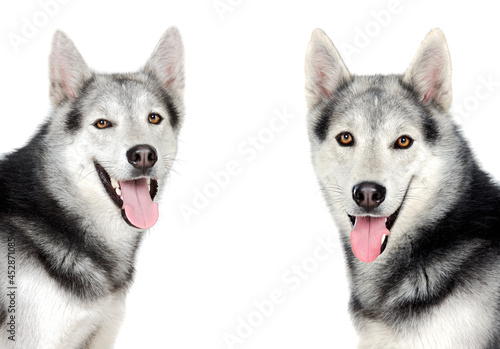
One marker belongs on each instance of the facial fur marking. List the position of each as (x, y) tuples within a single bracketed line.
[(322, 123), (430, 128), (123, 78), (431, 131), (74, 119), (171, 108)]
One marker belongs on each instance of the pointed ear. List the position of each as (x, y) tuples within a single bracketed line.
[(325, 70), (67, 69), (167, 62), (429, 74)]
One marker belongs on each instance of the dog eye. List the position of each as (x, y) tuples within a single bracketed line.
[(101, 124), (154, 118), (345, 139), (403, 142)]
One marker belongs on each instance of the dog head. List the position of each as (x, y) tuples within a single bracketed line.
[(373, 140), (113, 137)]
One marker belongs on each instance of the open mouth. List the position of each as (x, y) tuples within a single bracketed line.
[(133, 197), (370, 235)]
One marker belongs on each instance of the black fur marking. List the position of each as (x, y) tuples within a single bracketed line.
[(57, 238), (74, 117), (430, 127), (171, 108), (322, 123), (431, 131), (122, 78), (3, 316)]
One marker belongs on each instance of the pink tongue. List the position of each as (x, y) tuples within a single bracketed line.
[(366, 237), (140, 210)]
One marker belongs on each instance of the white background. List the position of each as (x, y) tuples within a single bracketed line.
[(198, 278)]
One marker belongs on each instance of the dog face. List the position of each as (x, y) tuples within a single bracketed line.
[(116, 133), (373, 139)]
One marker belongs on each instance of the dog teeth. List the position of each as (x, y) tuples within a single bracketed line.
[(149, 181), (118, 191), (114, 183), (383, 239)]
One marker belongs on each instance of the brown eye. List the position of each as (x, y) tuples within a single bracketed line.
[(154, 118), (403, 142), (345, 139), (101, 123)]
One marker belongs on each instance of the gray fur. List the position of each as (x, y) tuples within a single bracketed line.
[(436, 284)]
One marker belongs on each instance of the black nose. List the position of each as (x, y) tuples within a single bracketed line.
[(142, 156), (368, 195)]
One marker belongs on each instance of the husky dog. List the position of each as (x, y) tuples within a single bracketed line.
[(419, 220), (76, 200)]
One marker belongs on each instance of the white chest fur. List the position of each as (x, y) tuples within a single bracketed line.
[(49, 317)]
